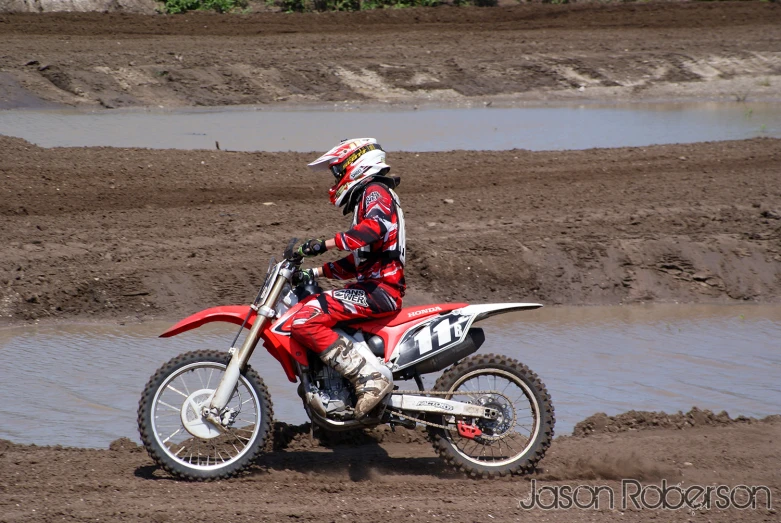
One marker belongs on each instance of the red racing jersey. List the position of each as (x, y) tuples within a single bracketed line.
[(376, 239)]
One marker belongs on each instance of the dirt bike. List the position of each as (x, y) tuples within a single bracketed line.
[(207, 414)]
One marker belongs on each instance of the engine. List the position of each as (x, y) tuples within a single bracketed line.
[(334, 391)]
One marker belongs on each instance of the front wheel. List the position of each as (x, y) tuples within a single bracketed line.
[(513, 442), (181, 440)]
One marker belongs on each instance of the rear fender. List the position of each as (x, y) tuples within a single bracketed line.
[(486, 310), (436, 335)]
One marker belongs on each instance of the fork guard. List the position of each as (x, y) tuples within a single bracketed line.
[(413, 403)]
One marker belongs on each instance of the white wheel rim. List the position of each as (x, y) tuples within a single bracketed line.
[(533, 407), (181, 432)]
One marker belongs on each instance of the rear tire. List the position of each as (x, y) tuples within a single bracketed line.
[(170, 401), (533, 396)]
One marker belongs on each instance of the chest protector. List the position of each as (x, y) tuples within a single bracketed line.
[(393, 244)]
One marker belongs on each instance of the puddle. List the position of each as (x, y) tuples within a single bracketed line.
[(79, 385), (428, 129)]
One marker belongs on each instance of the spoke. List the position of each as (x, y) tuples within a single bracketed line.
[(172, 435), (240, 442), (179, 451), (505, 387), (184, 382), (474, 443), (510, 446), (208, 381), (177, 391), (522, 396), (169, 406), (247, 400)]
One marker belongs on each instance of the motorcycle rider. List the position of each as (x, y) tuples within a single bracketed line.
[(376, 243)]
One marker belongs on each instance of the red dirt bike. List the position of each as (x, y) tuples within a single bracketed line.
[(207, 414)]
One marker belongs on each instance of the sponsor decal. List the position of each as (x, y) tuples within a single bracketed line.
[(372, 197), (423, 311), (358, 172), (435, 404), (356, 296), (357, 154)]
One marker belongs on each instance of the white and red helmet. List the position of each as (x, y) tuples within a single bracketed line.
[(353, 162)]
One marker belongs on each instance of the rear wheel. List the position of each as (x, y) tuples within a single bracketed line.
[(181, 440), (512, 443)]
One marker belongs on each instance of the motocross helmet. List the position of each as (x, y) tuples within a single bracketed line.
[(353, 163)]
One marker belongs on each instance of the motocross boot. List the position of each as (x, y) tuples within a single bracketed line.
[(370, 385)]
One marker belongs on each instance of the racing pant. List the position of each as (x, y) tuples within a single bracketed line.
[(312, 325)]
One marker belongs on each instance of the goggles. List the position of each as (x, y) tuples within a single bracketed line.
[(338, 169)]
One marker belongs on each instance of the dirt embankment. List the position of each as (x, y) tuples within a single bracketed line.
[(720, 50), (102, 6), (393, 476), (125, 232)]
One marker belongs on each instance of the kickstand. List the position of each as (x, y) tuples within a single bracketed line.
[(312, 434), (419, 381)]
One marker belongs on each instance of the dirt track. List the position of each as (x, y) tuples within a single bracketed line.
[(398, 479), (138, 233), (122, 234), (533, 52)]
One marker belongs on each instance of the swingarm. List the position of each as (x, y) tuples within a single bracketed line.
[(433, 405)]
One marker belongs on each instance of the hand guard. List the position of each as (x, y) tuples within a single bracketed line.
[(311, 248), (303, 277)]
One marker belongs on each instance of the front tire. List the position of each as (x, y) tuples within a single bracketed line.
[(518, 439), (180, 440)]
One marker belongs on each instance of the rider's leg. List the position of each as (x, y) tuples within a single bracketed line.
[(312, 327)]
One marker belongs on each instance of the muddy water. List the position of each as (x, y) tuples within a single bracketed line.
[(79, 384), (428, 129)]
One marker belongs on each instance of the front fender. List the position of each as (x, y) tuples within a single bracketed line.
[(227, 313)]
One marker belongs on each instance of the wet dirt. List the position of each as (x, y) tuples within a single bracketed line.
[(656, 50), (134, 234), (393, 476), (128, 234), (587, 357)]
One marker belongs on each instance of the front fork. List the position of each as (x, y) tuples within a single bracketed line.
[(239, 360)]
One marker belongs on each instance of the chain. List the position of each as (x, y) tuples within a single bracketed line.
[(443, 393)]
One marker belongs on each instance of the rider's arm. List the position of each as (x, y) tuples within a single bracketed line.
[(343, 269), (377, 206), (373, 227)]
